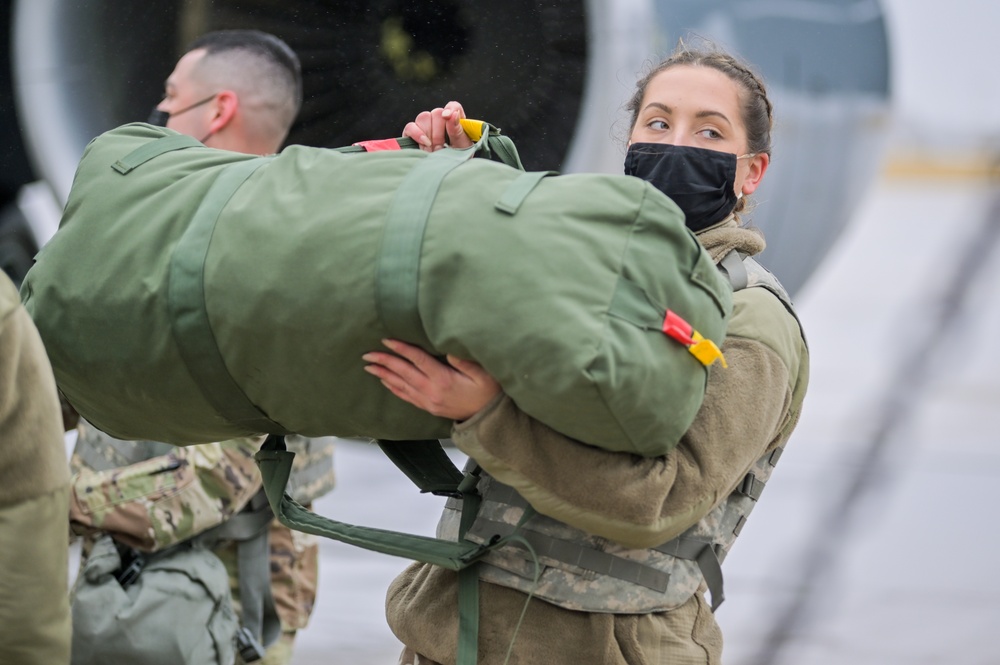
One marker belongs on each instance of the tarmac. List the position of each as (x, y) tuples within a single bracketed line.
[(873, 543)]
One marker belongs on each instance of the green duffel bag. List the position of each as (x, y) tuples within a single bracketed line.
[(194, 294)]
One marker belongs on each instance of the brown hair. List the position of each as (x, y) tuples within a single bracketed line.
[(757, 112)]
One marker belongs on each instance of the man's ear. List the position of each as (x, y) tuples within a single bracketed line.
[(758, 166), (227, 104)]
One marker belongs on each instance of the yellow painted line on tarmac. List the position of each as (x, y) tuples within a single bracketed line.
[(921, 166)]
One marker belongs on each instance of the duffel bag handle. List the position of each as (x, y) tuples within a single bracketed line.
[(495, 146)]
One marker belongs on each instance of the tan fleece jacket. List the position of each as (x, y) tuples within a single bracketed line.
[(32, 449), (34, 496)]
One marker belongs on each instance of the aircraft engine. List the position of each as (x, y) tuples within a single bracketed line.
[(554, 74)]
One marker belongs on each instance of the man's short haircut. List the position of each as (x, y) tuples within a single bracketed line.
[(261, 68)]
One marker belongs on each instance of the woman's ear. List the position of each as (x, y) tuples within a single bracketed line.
[(756, 169)]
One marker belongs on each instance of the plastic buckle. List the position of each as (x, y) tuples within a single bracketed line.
[(249, 648), (129, 573)]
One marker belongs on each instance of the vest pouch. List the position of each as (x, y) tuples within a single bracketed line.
[(177, 611)]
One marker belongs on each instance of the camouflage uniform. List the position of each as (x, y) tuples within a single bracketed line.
[(34, 483), (151, 495), (617, 584)]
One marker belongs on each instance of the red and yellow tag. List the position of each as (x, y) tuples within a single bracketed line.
[(705, 350)]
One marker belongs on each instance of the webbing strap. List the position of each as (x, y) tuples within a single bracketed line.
[(249, 530), (468, 616), (504, 149), (363, 146), (148, 151), (398, 263), (732, 265), (275, 465), (426, 464), (260, 615), (468, 578), (189, 317), (577, 553), (702, 553), (574, 554), (495, 144), (517, 191), (751, 486)]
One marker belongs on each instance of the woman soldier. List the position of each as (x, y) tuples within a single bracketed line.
[(631, 544)]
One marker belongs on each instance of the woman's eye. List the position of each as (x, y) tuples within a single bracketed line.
[(710, 134), (657, 124)]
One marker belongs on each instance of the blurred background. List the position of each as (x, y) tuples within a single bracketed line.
[(882, 216)]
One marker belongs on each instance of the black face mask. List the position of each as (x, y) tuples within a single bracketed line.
[(160, 118), (699, 181)]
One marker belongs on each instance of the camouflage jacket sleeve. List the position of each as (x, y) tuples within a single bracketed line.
[(641, 502), (167, 499)]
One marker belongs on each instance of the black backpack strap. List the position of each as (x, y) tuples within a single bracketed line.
[(426, 464)]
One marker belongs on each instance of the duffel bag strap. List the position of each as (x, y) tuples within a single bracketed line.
[(189, 317), (398, 262), (275, 463)]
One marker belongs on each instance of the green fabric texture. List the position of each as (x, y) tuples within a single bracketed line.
[(294, 284)]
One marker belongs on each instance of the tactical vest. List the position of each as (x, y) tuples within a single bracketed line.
[(592, 574)]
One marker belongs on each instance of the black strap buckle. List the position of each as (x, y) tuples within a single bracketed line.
[(249, 648), (132, 564)]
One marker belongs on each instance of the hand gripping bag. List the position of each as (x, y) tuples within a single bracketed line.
[(194, 294)]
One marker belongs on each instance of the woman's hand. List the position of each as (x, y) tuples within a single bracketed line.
[(435, 129), (457, 390)]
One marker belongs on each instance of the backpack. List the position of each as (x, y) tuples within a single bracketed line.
[(177, 611), (174, 606)]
